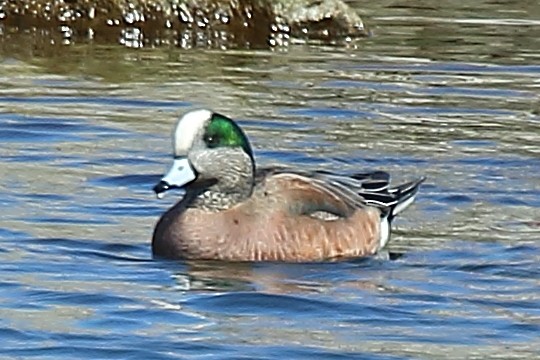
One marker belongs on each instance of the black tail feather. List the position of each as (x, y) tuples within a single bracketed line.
[(393, 200), (405, 195)]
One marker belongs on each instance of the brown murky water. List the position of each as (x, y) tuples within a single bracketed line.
[(449, 91)]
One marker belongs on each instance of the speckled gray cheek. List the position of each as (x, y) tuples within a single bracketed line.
[(202, 160), (232, 169)]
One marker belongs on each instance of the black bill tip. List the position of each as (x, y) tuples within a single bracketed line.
[(161, 188)]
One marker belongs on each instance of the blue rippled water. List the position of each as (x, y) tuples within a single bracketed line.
[(95, 292)]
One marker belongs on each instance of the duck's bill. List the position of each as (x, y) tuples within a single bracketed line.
[(180, 174)]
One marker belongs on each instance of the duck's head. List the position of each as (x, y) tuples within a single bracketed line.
[(210, 150)]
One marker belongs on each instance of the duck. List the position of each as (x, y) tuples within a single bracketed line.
[(232, 210)]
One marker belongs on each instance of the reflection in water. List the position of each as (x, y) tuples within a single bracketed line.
[(266, 278), (85, 134)]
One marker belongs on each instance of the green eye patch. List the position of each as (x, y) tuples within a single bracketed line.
[(224, 132)]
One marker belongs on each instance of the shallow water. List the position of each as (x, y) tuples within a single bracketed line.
[(450, 92)]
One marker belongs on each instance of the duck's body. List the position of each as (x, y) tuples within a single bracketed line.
[(232, 212)]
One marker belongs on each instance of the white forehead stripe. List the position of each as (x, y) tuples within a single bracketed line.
[(187, 128)]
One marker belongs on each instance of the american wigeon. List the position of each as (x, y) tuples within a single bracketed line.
[(233, 211)]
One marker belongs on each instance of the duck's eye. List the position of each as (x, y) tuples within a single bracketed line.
[(211, 140)]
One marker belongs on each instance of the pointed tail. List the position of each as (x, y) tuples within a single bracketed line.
[(402, 197)]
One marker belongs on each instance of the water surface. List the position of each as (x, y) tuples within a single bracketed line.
[(447, 91)]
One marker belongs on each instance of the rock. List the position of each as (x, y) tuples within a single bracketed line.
[(186, 24)]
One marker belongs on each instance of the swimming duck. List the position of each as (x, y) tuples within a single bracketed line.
[(233, 211)]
